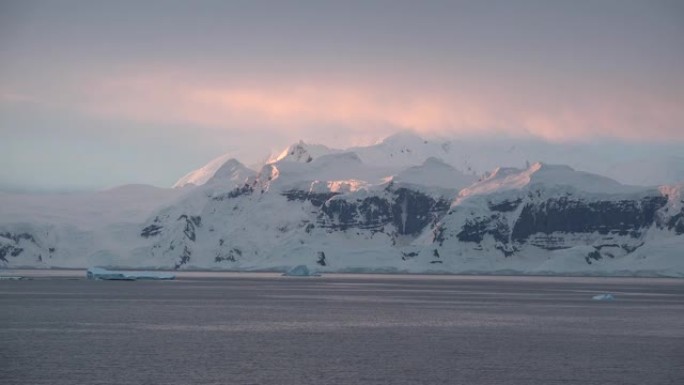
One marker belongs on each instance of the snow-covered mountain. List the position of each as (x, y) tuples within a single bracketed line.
[(644, 165), (403, 205), (556, 219), (225, 162)]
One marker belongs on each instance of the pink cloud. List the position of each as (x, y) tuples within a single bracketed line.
[(618, 112)]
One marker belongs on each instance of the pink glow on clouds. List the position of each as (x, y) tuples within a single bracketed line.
[(300, 107)]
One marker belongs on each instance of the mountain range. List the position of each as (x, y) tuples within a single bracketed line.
[(405, 204)]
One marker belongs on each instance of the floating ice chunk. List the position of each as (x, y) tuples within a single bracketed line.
[(10, 278), (301, 271), (603, 297), (100, 273), (149, 275), (104, 274)]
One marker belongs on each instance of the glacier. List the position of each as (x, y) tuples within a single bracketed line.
[(404, 205)]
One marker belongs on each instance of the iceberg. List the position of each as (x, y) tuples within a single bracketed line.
[(104, 274), (100, 273), (10, 278), (300, 271), (150, 275), (603, 297)]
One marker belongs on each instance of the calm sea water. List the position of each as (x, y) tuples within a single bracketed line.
[(214, 328)]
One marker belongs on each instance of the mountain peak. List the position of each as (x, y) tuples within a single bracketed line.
[(509, 178), (230, 168), (302, 152), (203, 174), (404, 138), (434, 172)]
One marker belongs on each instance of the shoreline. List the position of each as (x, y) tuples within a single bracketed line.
[(209, 273)]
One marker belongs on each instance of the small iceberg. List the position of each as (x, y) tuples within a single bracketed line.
[(301, 271), (104, 274), (10, 278), (150, 275), (99, 273), (603, 297)]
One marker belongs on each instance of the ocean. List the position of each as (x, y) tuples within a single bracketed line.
[(232, 328)]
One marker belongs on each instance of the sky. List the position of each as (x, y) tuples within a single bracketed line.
[(97, 93)]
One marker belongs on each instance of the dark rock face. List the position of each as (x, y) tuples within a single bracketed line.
[(190, 223), (151, 231), (184, 258), (504, 206), (17, 237), (232, 255), (543, 223), (246, 189), (9, 250), (676, 223), (342, 214), (413, 210), (576, 216), (375, 212), (321, 259), (476, 228), (679, 226), (594, 255), (548, 242), (408, 210), (408, 255), (316, 199), (13, 249)]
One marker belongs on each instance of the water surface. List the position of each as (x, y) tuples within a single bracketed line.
[(231, 328)]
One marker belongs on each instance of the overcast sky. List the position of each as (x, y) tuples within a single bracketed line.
[(99, 93)]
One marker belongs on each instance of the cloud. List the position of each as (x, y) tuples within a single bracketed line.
[(304, 106)]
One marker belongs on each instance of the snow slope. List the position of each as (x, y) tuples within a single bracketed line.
[(204, 174), (435, 172)]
